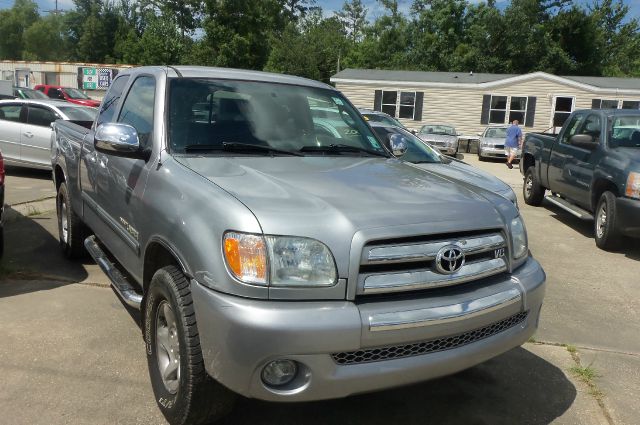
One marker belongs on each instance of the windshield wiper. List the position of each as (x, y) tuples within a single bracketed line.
[(239, 147), (333, 148)]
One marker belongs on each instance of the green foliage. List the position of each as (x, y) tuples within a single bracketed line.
[(297, 37)]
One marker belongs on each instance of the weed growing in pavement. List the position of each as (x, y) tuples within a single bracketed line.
[(571, 348), (532, 340), (588, 375), (31, 211)]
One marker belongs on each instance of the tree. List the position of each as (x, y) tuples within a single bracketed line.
[(353, 17), (13, 24), (43, 40)]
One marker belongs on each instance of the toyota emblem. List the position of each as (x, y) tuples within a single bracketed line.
[(450, 259)]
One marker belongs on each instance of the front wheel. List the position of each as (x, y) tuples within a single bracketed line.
[(532, 191), (185, 393), (606, 231)]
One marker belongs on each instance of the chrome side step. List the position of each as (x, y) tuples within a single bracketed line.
[(119, 282), (569, 207)]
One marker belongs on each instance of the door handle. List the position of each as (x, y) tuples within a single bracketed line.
[(28, 134)]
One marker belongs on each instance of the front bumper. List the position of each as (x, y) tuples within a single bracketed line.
[(446, 149), (628, 216), (240, 336)]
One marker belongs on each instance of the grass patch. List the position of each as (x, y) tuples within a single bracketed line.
[(571, 348), (31, 211), (586, 374), (532, 339)]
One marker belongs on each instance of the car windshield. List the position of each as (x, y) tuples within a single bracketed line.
[(210, 116), (31, 94), (384, 119), (80, 113), (625, 131), (417, 152), (75, 94), (438, 129), (496, 133)]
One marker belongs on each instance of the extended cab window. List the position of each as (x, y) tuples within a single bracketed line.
[(137, 109), (625, 132), (10, 112), (112, 100), (40, 115)]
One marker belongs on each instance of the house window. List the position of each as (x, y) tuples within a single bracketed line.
[(517, 109), (630, 104), (498, 110), (399, 104), (389, 102), (563, 106)]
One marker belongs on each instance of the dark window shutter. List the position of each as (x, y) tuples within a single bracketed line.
[(531, 111), (596, 103), (417, 113), (377, 101), (486, 102)]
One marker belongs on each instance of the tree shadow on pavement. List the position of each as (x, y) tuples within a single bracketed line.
[(30, 173), (31, 252), (517, 387)]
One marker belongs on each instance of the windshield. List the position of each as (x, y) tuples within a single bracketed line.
[(384, 119), (496, 133), (31, 94), (417, 150), (80, 113), (625, 131), (214, 114), (438, 129), (75, 94)]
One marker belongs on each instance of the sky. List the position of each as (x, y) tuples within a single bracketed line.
[(373, 6)]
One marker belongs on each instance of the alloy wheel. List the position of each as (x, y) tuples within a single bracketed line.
[(168, 347)]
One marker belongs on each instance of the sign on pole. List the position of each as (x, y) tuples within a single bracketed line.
[(90, 78)]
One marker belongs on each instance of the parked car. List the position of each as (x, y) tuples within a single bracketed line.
[(592, 169), (491, 143), (442, 136), (429, 158), (275, 259), (25, 128), (69, 94), (24, 93), (378, 116)]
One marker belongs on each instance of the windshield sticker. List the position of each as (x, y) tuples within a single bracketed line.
[(337, 101)]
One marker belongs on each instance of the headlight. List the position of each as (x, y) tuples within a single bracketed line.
[(633, 186), (300, 262), (279, 260), (518, 238)]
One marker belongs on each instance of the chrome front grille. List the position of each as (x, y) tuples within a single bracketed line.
[(426, 347), (397, 267)]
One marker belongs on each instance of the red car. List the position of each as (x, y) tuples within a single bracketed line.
[(67, 93)]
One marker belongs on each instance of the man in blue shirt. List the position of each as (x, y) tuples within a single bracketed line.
[(513, 142)]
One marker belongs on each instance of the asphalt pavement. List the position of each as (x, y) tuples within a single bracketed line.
[(72, 353)]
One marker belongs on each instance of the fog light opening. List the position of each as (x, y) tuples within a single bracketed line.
[(279, 373)]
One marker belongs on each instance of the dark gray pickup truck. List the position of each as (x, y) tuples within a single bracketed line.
[(592, 169), (277, 249)]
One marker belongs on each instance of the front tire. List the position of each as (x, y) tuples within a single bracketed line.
[(606, 231), (185, 393), (71, 230), (532, 191)]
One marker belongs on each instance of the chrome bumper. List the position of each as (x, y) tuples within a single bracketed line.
[(240, 336)]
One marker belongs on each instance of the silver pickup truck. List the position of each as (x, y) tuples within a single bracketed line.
[(280, 254)]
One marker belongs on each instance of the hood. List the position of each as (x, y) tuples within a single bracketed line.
[(320, 197), (492, 140), (632, 154), (438, 138), (461, 171)]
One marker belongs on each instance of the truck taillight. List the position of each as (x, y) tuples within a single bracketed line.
[(1, 170)]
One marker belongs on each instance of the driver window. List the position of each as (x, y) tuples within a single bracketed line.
[(137, 109), (592, 127), (572, 128)]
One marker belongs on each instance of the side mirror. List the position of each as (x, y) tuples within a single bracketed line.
[(584, 141), (414, 132), (479, 134), (398, 145), (119, 140)]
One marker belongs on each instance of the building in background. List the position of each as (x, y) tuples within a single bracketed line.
[(94, 79), (471, 101)]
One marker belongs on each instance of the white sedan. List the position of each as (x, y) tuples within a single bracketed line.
[(25, 128)]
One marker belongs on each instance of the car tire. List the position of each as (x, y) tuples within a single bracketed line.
[(480, 157), (532, 191), (1, 240), (184, 392), (605, 228), (71, 230)]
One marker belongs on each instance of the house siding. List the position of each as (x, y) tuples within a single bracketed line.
[(462, 106)]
